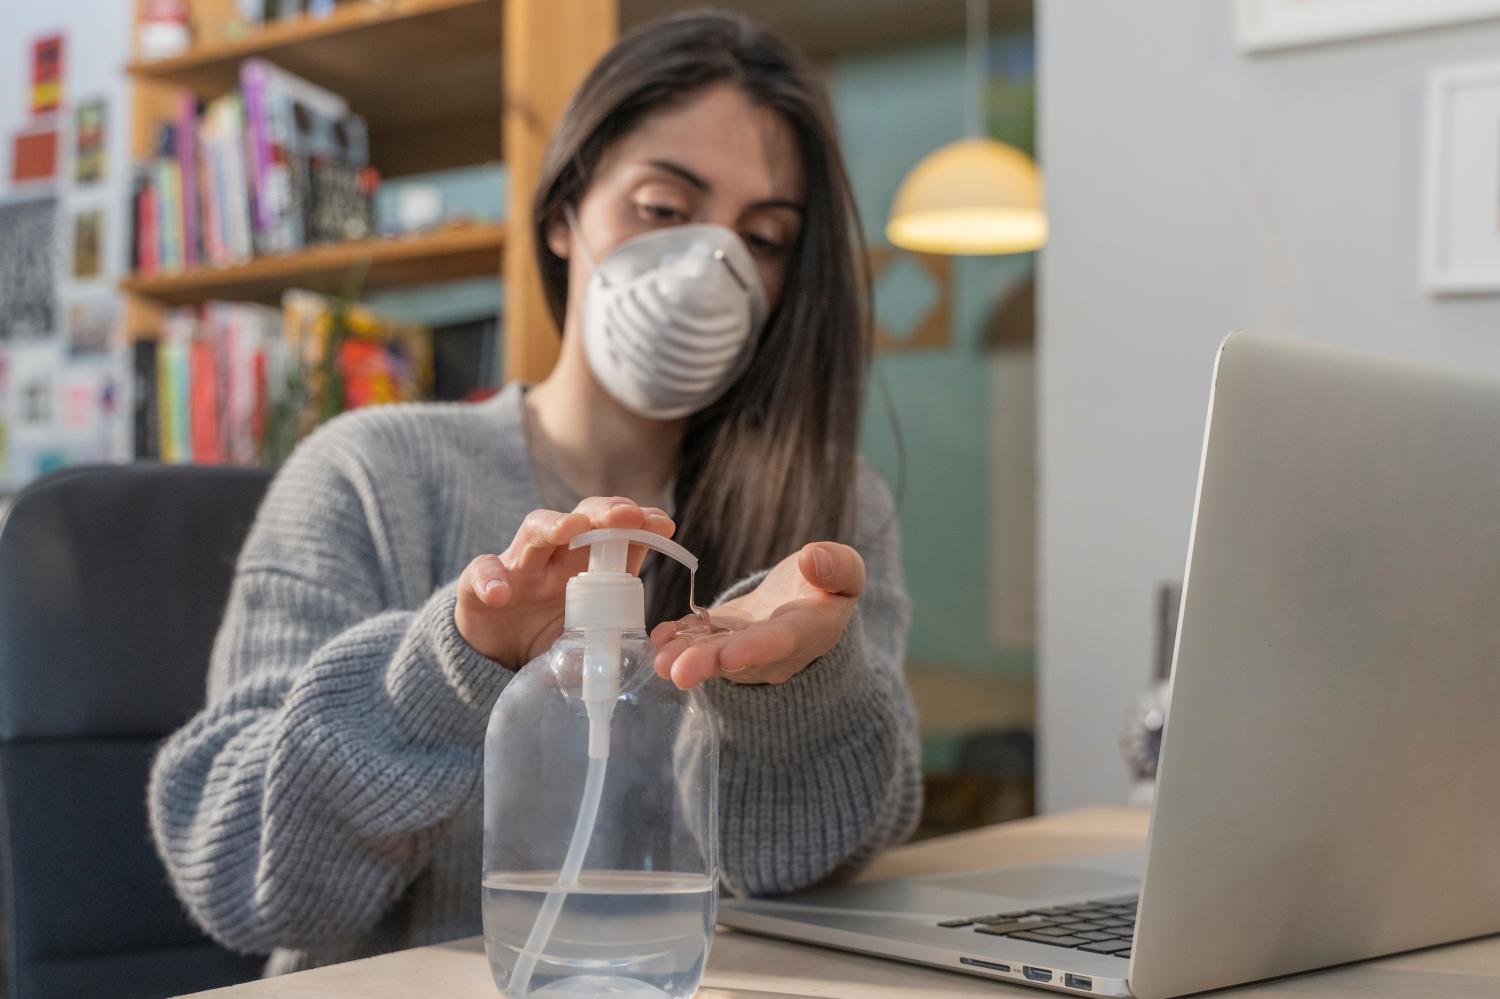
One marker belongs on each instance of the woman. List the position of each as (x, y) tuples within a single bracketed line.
[(325, 805)]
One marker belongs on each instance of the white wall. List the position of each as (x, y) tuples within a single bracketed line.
[(1194, 190), (94, 54)]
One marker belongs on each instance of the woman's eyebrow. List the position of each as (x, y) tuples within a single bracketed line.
[(683, 172), (693, 179)]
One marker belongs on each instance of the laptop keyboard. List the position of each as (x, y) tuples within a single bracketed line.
[(1102, 927)]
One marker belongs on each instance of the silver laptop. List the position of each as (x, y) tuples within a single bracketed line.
[(1329, 785)]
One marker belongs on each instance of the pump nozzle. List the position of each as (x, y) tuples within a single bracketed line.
[(604, 602), (610, 545)]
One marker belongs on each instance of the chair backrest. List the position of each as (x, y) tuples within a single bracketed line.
[(113, 580)]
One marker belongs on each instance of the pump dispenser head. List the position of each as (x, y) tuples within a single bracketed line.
[(605, 601), (607, 596), (609, 545)]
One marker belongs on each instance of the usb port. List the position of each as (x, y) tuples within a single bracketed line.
[(1078, 982), (975, 962), (1036, 974)]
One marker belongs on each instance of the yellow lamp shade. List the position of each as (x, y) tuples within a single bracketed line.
[(971, 196)]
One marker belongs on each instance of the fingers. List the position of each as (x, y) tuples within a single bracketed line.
[(695, 663), (756, 649), (611, 511), (544, 531), (833, 568), (763, 653), (663, 633), (485, 583), (667, 656), (541, 534), (657, 522), (617, 511)]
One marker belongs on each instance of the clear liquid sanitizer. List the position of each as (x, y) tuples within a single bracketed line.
[(600, 805)]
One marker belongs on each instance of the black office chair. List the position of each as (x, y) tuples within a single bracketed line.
[(112, 583)]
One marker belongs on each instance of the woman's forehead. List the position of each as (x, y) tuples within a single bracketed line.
[(737, 147)]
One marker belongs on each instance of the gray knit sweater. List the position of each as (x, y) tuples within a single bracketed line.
[(325, 805)]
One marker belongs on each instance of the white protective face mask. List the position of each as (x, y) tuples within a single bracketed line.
[(670, 318)]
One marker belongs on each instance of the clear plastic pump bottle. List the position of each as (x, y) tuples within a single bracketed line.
[(600, 804)]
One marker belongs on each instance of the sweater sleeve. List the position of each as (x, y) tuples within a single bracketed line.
[(342, 728), (821, 773)]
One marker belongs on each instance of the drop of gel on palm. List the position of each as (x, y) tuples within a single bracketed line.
[(702, 626)]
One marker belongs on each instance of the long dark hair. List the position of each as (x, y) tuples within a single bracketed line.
[(771, 464)]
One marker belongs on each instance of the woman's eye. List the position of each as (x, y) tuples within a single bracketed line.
[(761, 246), (661, 214)]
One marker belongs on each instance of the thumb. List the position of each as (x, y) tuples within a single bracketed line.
[(832, 568)]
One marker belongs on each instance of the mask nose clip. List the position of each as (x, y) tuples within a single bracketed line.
[(723, 258)]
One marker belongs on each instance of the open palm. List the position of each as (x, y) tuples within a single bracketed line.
[(793, 616)]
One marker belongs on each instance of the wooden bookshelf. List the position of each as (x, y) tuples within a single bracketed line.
[(444, 255), (441, 83), (425, 74)]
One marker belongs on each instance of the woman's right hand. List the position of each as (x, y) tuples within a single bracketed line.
[(510, 606)]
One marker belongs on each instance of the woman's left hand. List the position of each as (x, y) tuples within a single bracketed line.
[(797, 613)]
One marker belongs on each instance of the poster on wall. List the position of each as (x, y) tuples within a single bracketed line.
[(27, 256), (33, 386), (88, 397), (1461, 238), (1263, 25), (88, 243), (30, 410), (57, 410), (46, 74), (88, 142), (33, 155), (91, 323)]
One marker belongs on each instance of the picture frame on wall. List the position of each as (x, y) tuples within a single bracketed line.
[(1265, 25), (1461, 233)]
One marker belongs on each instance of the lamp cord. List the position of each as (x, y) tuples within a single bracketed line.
[(976, 36)]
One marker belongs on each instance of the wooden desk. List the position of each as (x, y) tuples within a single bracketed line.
[(743, 966)]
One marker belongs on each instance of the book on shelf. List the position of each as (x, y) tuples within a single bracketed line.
[(261, 11), (186, 152), (274, 166), (239, 383), (203, 386), (145, 407)]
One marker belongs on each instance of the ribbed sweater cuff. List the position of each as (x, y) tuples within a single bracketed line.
[(835, 695), (441, 686)]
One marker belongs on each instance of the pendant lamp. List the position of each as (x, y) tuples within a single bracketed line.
[(976, 195)]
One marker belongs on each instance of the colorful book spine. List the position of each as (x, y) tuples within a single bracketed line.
[(145, 225), (141, 213), (167, 445), (171, 218), (187, 164), (182, 440), (220, 180), (236, 179), (203, 402), (239, 333), (213, 240), (261, 410), (258, 140), (163, 228), (145, 403)]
